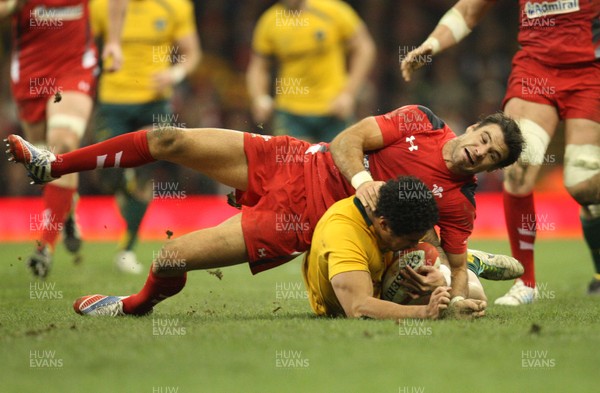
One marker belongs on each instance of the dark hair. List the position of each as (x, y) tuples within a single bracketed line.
[(407, 205), (513, 137)]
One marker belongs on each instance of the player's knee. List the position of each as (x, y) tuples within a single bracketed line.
[(582, 173), (165, 141), (515, 180)]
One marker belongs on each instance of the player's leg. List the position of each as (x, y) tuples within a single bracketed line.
[(538, 123), (134, 193), (217, 153), (65, 124), (204, 249), (582, 180)]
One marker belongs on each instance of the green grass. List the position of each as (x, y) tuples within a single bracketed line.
[(230, 331)]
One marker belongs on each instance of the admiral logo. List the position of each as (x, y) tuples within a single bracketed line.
[(537, 10)]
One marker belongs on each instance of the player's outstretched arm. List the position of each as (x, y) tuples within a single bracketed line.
[(455, 25), (348, 149), (354, 291), (112, 53)]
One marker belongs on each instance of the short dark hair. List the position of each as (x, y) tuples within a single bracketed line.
[(513, 137), (407, 205)]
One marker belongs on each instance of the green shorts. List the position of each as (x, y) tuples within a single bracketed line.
[(116, 119), (309, 128)]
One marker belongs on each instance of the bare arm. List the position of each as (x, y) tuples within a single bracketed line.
[(361, 50), (258, 82), (188, 47), (354, 291), (347, 150), (455, 24), (112, 46)]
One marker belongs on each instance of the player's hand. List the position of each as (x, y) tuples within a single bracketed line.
[(342, 106), (440, 298), (112, 56), (262, 108), (368, 193), (162, 80), (467, 309), (422, 281), (415, 60)]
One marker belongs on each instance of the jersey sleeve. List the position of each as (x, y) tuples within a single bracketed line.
[(98, 14), (345, 250), (347, 19), (186, 24), (456, 222), (412, 119), (261, 40)]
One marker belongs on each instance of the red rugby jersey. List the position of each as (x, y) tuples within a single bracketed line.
[(50, 37), (560, 32), (413, 138)]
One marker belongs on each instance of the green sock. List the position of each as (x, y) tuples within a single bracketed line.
[(591, 233), (133, 211)]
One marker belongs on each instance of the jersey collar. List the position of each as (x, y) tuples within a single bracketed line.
[(362, 211)]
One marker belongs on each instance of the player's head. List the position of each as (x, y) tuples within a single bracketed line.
[(493, 143), (513, 137), (405, 211)]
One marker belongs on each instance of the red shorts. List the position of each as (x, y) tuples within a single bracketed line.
[(32, 94), (573, 91), (275, 221)]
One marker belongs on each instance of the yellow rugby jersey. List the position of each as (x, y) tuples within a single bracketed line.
[(309, 46), (150, 31), (344, 240)]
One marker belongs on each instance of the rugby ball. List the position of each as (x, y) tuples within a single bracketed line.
[(424, 254)]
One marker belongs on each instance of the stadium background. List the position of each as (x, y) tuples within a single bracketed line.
[(459, 85)]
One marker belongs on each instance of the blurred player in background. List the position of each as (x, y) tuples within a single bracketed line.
[(315, 92), (281, 178), (52, 74), (555, 76), (160, 47)]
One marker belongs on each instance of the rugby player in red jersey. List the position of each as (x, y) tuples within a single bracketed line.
[(555, 76), (53, 66), (282, 179)]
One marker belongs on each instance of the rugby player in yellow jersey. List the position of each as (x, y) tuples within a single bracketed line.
[(314, 90), (352, 246), (160, 47)]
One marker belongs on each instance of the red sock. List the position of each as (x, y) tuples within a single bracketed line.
[(124, 151), (57, 204), (519, 212), (155, 291)]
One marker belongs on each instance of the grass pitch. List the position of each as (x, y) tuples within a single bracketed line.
[(256, 334)]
